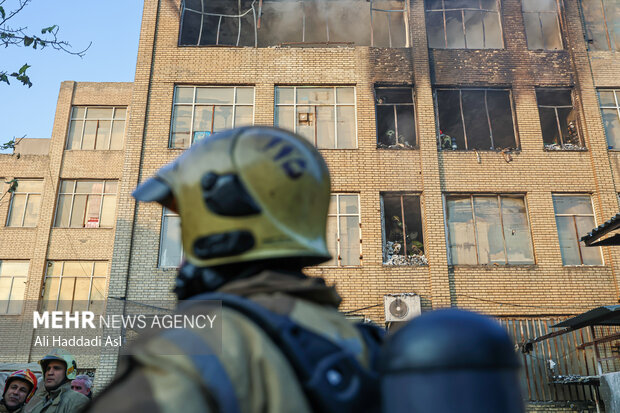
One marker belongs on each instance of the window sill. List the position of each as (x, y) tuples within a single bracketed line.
[(94, 150), (465, 48), (584, 266), (571, 148), (16, 227), (493, 266), (337, 266), (82, 228), (397, 148), (384, 265), (459, 150)]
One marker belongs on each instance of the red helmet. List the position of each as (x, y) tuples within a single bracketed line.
[(25, 375)]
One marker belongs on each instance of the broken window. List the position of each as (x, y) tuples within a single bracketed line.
[(402, 230), (558, 119), (602, 19), (395, 117), (542, 24), (201, 111), (610, 110), (323, 115), (488, 229), (263, 23), (170, 246), (344, 240), (475, 119), (463, 24), (93, 128), (574, 219)]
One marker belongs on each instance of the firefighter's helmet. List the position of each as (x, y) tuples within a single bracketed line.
[(25, 375), (64, 356)]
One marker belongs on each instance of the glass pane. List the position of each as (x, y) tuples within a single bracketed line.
[(576, 205), (79, 208), (533, 31), (75, 134), (13, 268), (26, 185), (245, 95), (476, 120), (16, 214), (549, 126), (539, 5), (203, 119), (181, 123), (435, 30), (67, 186), (17, 295), (406, 125), (568, 240), (595, 25), (386, 125), (54, 268), (345, 95), (285, 117), (612, 13), (5, 293), (93, 207), (285, 95), (590, 255), (315, 95), (488, 231), (184, 94), (65, 298), (346, 127), (223, 118), (500, 114), (398, 30), (97, 295), (78, 112), (99, 113), (102, 141), (516, 231), (171, 250), (349, 204), (118, 134), (554, 97), (551, 30), (50, 293), (450, 120), (492, 31), (333, 205), (454, 30), (63, 210), (612, 127), (461, 237), (111, 187), (78, 269), (332, 240), (474, 33), (100, 269), (90, 132), (82, 291), (607, 98), (216, 95), (120, 113), (349, 241), (306, 122), (433, 4), (32, 211), (89, 187), (244, 116)]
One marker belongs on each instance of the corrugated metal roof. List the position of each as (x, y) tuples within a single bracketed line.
[(605, 228), (601, 316)]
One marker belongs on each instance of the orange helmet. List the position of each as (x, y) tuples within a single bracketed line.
[(25, 375)]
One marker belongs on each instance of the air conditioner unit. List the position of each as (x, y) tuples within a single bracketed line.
[(401, 307)]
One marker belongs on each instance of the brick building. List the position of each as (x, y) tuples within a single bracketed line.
[(471, 143)]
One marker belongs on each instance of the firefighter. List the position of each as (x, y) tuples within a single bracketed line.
[(59, 368), (19, 388)]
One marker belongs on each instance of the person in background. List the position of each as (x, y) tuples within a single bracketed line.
[(83, 384)]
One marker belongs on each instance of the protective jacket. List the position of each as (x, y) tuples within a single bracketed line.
[(4, 409), (60, 400), (256, 371)]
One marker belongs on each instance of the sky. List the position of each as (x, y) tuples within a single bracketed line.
[(113, 27)]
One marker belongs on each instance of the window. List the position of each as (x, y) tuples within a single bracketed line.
[(96, 128), (323, 115), (602, 27), (574, 219), (75, 286), (170, 247), (463, 24), (13, 275), (25, 204), (542, 24), (610, 110), (488, 229), (402, 230), (395, 118), (379, 23), (475, 119), (86, 204), (558, 119), (344, 240), (201, 111)]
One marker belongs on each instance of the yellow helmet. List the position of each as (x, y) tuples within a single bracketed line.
[(64, 356), (247, 194)]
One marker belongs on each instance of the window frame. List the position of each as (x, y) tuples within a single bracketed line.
[(23, 214), (85, 118), (338, 215), (499, 196), (15, 278), (335, 105), (395, 105), (557, 119), (193, 106), (167, 214), (579, 242), (401, 195), (605, 26), (558, 20), (73, 194), (62, 277), (517, 141), (616, 93)]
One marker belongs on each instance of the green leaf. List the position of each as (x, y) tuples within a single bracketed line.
[(3, 78), (28, 41), (23, 69), (2, 12), (48, 29)]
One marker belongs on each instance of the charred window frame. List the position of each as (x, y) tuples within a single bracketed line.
[(326, 116), (13, 277), (86, 204), (96, 128), (402, 229), (542, 24), (559, 122), (344, 239), (601, 21), (610, 111), (395, 114), (464, 24), (75, 286), (574, 218), (481, 119), (170, 245), (25, 204), (199, 111), (488, 229), (264, 23)]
